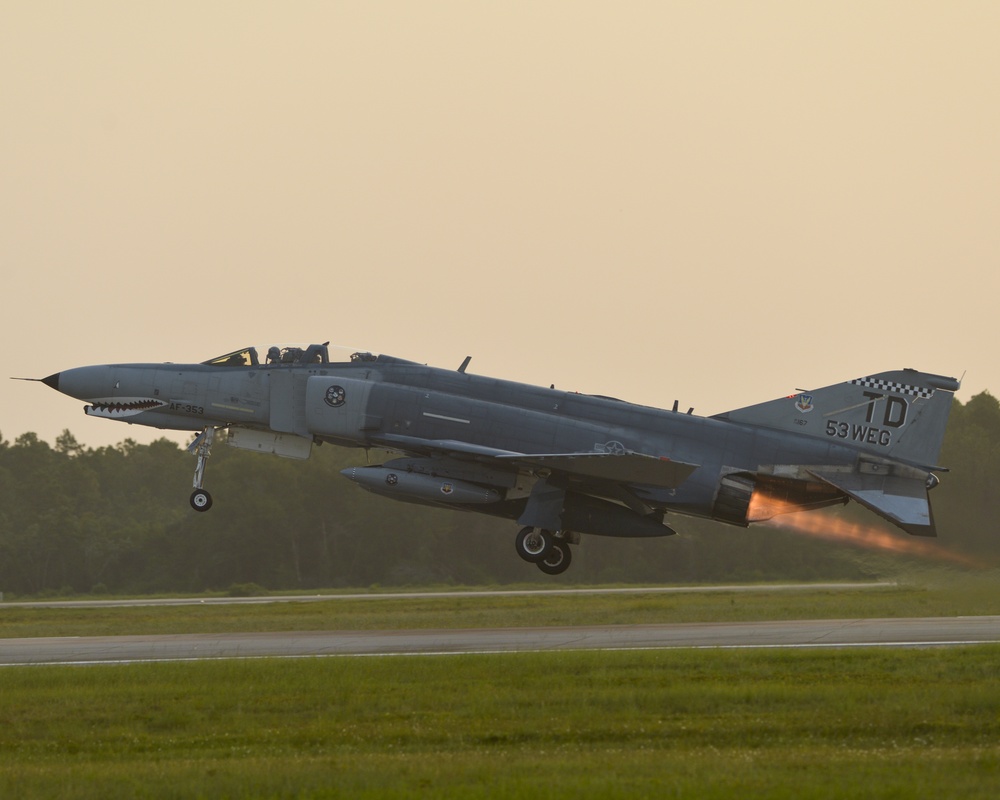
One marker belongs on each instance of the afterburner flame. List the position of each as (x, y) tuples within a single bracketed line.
[(764, 506), (872, 537)]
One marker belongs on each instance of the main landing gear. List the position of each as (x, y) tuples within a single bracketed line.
[(201, 500), (543, 548)]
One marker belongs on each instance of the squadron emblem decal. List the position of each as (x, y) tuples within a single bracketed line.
[(335, 396), (804, 403)]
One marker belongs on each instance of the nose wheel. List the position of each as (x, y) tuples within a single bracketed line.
[(201, 500), (201, 447)]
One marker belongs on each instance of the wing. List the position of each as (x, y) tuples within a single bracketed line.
[(631, 468), (615, 468)]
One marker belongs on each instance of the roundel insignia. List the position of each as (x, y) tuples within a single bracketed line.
[(335, 396), (391, 479)]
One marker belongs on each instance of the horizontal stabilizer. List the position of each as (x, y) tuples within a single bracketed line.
[(902, 501), (619, 468)]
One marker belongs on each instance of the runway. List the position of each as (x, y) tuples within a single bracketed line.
[(914, 632), (136, 602)]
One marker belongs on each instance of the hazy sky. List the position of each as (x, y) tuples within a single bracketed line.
[(717, 202)]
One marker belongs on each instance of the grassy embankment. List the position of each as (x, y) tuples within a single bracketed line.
[(804, 724)]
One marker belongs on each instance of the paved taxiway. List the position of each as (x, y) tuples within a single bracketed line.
[(799, 633)]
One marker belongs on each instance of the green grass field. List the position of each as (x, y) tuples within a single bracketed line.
[(804, 724), (853, 722)]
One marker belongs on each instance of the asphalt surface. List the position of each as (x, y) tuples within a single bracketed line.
[(930, 631), (315, 598)]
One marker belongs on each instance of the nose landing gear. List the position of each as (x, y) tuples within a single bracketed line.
[(201, 500)]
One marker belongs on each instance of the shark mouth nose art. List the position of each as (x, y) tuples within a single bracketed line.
[(121, 407)]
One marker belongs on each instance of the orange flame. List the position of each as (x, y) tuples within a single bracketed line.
[(833, 529)]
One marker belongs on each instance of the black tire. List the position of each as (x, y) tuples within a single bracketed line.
[(201, 500), (557, 560), (533, 545)]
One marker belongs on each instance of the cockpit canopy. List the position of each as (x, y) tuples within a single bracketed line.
[(284, 355)]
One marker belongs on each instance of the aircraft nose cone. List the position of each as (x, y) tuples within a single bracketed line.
[(83, 383)]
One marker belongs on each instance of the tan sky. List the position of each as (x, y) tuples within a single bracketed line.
[(717, 202)]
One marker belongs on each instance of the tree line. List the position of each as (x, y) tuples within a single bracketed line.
[(117, 519)]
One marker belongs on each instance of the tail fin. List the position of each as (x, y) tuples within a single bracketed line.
[(899, 415), (896, 418)]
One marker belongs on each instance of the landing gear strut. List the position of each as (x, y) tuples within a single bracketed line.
[(201, 447)]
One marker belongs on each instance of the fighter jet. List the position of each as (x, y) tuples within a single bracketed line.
[(558, 463)]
